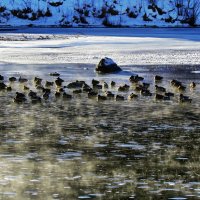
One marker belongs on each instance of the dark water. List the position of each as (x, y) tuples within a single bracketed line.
[(84, 149)]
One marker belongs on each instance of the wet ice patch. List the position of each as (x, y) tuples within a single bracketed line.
[(69, 156), (131, 145), (195, 72)]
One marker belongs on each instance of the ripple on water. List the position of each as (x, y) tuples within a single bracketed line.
[(9, 194), (69, 155), (178, 198), (134, 146), (84, 197)]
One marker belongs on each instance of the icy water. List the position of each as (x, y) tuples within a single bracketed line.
[(84, 149)]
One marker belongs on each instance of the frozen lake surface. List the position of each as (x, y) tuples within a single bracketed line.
[(85, 149), (125, 46)]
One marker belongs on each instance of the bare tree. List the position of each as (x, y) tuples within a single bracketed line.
[(180, 7), (196, 10), (192, 11)]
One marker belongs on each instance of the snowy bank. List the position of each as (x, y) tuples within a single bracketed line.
[(73, 13)]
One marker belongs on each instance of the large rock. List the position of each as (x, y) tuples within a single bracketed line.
[(107, 65)]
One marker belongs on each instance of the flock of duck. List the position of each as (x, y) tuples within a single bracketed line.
[(99, 90)]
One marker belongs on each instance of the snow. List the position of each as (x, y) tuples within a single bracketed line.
[(79, 45), (108, 61), (65, 13)]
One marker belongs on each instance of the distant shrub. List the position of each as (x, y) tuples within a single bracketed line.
[(191, 21), (33, 17), (2, 9), (19, 14), (128, 10), (30, 25), (132, 15), (86, 13), (179, 5), (103, 12), (40, 13), (160, 11), (112, 11), (192, 12), (83, 20), (48, 13), (107, 23), (27, 10), (56, 4), (80, 11), (76, 19), (154, 16), (146, 18), (152, 7), (169, 20)]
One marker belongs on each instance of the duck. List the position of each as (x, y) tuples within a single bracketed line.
[(98, 86), (59, 82), (92, 94), (158, 78), (1, 78), (54, 74), (132, 96), (175, 83), (123, 88), (101, 98), (139, 88), (61, 89), (2, 86), (77, 91), (36, 99), (76, 84), (46, 95), (105, 85), (95, 82), (57, 94), (181, 88), (160, 89), (39, 87), (20, 95), (22, 80), (184, 99), (66, 96), (12, 79), (32, 94), (38, 81), (146, 93), (49, 84), (159, 97), (86, 88), (192, 85), (109, 94), (145, 85), (135, 79), (19, 98), (112, 84), (169, 94), (46, 90), (119, 97), (26, 88), (9, 88)]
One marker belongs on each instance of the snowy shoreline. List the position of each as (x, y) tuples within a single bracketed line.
[(127, 46)]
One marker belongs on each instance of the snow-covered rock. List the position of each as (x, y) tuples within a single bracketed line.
[(107, 65), (161, 13)]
